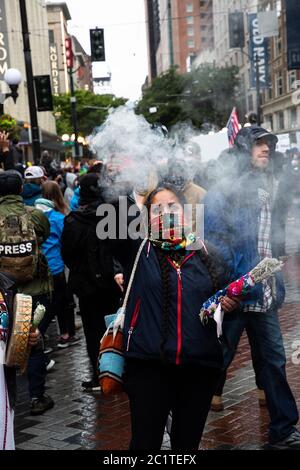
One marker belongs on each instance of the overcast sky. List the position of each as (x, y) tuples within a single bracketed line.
[(125, 40)]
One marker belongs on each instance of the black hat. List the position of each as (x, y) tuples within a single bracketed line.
[(10, 183), (89, 189), (248, 136), (259, 133)]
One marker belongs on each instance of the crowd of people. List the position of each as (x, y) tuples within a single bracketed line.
[(174, 363)]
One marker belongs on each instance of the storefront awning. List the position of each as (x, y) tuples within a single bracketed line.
[(49, 141)]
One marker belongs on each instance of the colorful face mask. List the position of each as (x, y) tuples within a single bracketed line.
[(168, 232), (167, 226)]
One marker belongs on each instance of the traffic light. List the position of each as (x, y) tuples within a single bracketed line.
[(97, 45), (43, 93), (69, 53), (236, 30)]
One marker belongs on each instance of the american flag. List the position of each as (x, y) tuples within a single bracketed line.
[(233, 127)]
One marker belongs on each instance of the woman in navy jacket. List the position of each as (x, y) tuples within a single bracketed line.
[(173, 361)]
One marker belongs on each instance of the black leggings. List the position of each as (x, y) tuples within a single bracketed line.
[(93, 308), (61, 305), (155, 389)]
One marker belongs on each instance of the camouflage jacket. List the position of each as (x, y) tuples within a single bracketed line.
[(13, 205)]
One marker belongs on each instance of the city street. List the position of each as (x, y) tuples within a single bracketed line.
[(85, 421), (174, 108)]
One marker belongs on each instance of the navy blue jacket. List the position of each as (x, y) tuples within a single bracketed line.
[(188, 341), (231, 225)]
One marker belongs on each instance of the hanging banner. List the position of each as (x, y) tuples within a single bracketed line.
[(54, 69), (258, 49), (293, 34), (4, 56)]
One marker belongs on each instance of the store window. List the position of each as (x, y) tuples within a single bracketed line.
[(280, 120), (279, 84), (51, 36), (293, 117), (292, 77)]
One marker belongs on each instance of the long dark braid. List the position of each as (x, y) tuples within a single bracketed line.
[(165, 276)]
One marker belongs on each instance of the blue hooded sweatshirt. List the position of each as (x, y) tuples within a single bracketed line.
[(51, 248), (74, 204), (31, 192)]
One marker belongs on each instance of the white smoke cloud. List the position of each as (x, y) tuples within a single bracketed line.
[(129, 140)]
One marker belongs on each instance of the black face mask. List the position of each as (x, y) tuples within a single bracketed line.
[(177, 181)]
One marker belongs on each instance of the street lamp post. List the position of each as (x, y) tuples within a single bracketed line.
[(74, 112), (13, 79), (257, 91), (36, 146)]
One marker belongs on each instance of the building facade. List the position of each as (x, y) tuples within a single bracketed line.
[(222, 55), (177, 31), (281, 110), (12, 56), (82, 67), (58, 16)]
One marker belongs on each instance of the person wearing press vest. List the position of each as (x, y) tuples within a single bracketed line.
[(24, 262)]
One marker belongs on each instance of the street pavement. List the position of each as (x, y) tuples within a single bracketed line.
[(83, 421)]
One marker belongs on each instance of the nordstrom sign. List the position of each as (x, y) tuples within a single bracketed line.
[(54, 69), (4, 58)]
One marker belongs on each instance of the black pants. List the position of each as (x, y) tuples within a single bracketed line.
[(93, 308), (155, 389), (62, 306)]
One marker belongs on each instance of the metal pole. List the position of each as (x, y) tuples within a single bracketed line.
[(74, 113), (257, 90), (36, 146), (170, 34)]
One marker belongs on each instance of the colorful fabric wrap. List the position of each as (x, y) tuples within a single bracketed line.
[(3, 328), (176, 244), (238, 288), (241, 287), (111, 358), (3, 320)]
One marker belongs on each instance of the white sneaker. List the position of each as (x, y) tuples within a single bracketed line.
[(50, 365), (48, 350)]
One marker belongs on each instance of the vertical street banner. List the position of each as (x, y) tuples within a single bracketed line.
[(4, 55), (54, 69), (293, 34), (258, 47)]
